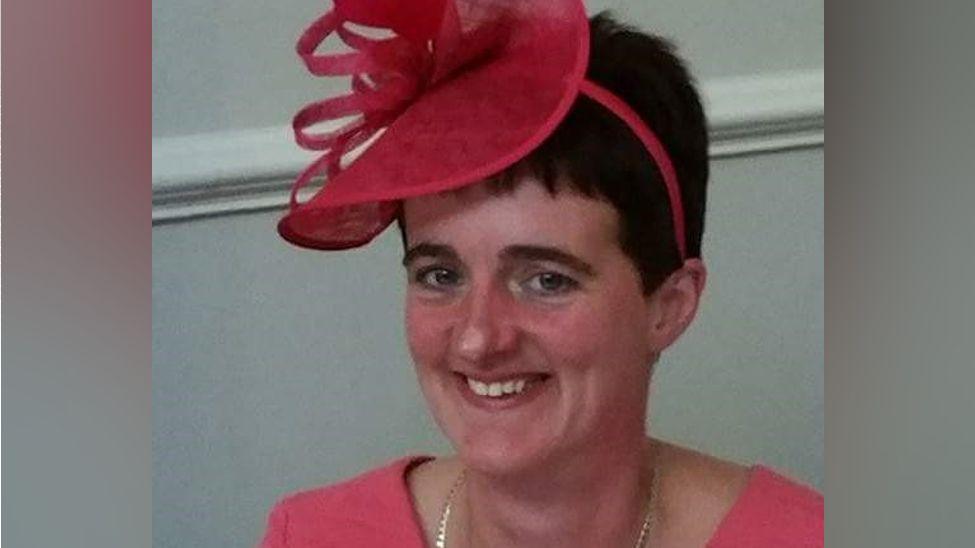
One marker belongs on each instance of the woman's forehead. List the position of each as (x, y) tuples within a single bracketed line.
[(526, 214)]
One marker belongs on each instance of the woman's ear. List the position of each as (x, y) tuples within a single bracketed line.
[(674, 304)]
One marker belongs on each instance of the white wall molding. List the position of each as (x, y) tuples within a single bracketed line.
[(251, 170)]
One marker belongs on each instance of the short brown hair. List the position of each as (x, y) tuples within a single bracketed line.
[(594, 153)]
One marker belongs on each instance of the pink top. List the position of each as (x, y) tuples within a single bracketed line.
[(375, 509)]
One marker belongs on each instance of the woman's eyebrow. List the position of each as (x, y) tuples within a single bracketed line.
[(436, 251), (545, 253)]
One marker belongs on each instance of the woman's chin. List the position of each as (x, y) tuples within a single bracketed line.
[(498, 456)]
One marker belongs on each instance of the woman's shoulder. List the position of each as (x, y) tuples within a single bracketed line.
[(722, 504), (695, 492), (376, 484), (773, 510), (374, 505)]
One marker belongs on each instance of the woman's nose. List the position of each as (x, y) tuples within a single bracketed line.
[(485, 327)]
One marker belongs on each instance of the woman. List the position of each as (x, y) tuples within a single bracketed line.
[(550, 193)]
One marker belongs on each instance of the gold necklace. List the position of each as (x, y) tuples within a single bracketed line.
[(441, 540)]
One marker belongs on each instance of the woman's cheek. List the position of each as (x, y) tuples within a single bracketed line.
[(569, 335), (425, 334)]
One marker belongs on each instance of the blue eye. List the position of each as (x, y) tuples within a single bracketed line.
[(551, 283), (437, 277)]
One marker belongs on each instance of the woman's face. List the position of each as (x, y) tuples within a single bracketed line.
[(527, 323)]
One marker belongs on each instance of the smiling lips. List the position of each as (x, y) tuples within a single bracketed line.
[(502, 388)]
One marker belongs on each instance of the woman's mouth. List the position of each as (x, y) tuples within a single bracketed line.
[(503, 392)]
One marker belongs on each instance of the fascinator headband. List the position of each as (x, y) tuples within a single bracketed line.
[(457, 91)]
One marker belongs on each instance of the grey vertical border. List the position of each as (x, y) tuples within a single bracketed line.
[(76, 206), (900, 274)]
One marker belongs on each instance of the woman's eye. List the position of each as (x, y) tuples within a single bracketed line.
[(437, 277), (551, 283)]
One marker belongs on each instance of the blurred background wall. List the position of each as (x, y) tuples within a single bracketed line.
[(276, 369)]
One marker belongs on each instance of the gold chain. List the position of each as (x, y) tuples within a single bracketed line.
[(441, 540), (445, 515)]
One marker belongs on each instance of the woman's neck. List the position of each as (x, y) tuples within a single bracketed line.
[(595, 497)]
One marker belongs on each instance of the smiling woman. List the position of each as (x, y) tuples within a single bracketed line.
[(552, 254), (537, 291)]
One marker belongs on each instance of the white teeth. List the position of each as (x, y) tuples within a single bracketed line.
[(497, 389), (477, 387)]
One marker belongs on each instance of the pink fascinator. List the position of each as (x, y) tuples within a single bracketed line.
[(457, 91)]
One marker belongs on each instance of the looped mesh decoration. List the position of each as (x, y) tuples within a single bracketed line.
[(459, 88)]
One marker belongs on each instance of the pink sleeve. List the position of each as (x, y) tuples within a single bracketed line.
[(372, 509), (277, 525), (772, 511)]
